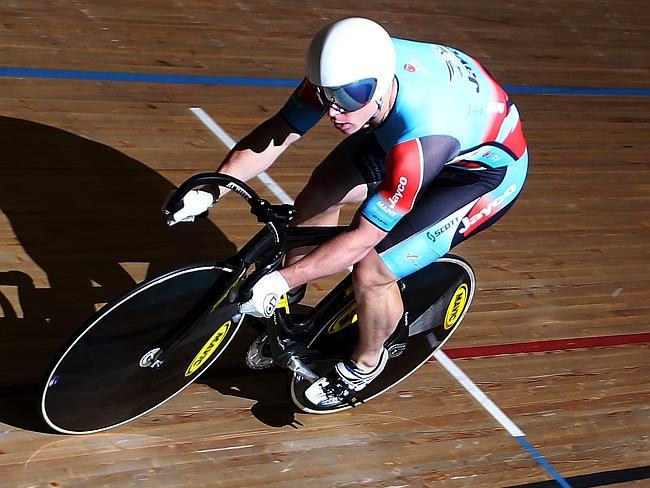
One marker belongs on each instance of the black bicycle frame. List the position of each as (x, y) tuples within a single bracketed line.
[(266, 249)]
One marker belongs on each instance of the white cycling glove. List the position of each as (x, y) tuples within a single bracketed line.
[(195, 203), (266, 295)]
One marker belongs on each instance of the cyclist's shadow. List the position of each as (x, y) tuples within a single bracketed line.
[(79, 209)]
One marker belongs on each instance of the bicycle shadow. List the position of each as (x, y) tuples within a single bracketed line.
[(79, 210), (269, 388)]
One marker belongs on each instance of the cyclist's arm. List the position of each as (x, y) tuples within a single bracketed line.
[(259, 149), (335, 255)]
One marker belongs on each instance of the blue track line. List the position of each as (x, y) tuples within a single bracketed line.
[(543, 462), (17, 72), (145, 77)]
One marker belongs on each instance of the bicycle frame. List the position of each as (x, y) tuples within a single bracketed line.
[(266, 250)]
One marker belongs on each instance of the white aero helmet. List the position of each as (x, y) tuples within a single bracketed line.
[(351, 62)]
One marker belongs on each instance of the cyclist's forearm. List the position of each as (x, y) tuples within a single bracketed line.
[(332, 257)]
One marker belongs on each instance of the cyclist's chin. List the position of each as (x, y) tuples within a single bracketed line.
[(347, 128)]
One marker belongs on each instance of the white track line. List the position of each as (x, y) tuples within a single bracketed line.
[(226, 448), (229, 142), (478, 394)]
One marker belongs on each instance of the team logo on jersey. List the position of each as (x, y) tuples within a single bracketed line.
[(489, 209), (496, 108), (387, 209), (399, 192), (410, 68), (449, 60), (414, 259), (433, 234)]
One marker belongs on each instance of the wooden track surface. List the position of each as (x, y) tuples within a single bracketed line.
[(85, 165)]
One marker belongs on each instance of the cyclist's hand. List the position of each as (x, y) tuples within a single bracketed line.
[(195, 203), (266, 295)]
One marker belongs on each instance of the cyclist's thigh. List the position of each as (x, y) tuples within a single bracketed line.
[(458, 204), (344, 176)]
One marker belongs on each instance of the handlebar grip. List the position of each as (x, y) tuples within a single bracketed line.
[(213, 179), (171, 205)]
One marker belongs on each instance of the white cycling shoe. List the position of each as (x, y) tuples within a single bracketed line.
[(342, 382)]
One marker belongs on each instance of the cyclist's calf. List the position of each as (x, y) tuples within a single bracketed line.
[(379, 307)]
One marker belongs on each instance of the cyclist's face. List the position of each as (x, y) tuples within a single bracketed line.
[(351, 122)]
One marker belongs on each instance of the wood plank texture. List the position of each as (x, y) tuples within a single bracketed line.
[(85, 166)]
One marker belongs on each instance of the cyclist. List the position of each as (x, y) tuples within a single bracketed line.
[(434, 151)]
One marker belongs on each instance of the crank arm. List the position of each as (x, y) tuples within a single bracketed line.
[(296, 365)]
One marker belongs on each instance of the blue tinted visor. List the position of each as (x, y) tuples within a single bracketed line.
[(348, 97)]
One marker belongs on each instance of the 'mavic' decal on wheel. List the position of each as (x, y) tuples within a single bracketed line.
[(208, 349), (456, 306), (347, 318)]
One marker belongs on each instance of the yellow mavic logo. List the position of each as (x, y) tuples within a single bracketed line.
[(456, 306), (347, 318), (208, 349)]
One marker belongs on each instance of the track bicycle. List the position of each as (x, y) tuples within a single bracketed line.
[(146, 346)]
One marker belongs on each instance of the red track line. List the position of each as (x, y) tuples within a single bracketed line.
[(545, 346)]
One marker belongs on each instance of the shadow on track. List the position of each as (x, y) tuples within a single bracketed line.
[(78, 209)]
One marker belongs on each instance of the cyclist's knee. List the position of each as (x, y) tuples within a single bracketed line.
[(372, 273), (314, 200), (325, 195)]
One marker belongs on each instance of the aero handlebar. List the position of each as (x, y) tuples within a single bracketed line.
[(270, 215)]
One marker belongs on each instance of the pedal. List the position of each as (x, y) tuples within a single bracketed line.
[(259, 356), (295, 364)]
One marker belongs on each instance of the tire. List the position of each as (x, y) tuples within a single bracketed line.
[(98, 382), (436, 300)]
